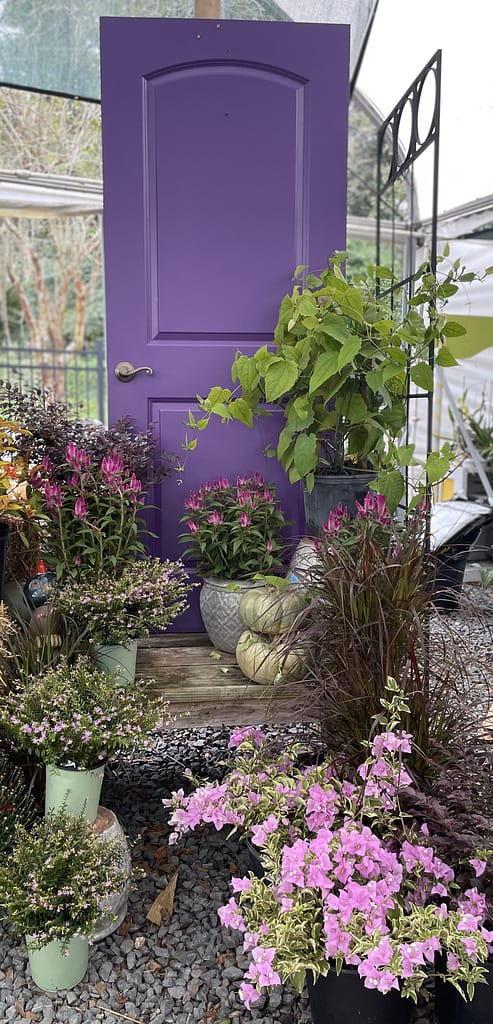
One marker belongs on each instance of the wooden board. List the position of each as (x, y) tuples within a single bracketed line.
[(204, 689)]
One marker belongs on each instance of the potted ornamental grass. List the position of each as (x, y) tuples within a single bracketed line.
[(234, 532), (74, 717), (112, 611), (339, 366), (370, 589), (354, 898), (52, 886)]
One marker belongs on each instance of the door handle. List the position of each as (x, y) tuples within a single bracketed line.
[(125, 372)]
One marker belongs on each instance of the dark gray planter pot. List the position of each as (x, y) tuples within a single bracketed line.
[(330, 489)]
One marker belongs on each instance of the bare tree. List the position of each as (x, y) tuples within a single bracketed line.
[(51, 278)]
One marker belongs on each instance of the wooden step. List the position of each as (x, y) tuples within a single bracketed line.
[(205, 687)]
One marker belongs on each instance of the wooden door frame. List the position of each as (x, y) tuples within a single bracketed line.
[(207, 8)]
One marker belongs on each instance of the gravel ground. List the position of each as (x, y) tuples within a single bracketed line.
[(187, 970)]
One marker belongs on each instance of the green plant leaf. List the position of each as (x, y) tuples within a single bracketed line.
[(374, 379), (325, 367), (405, 454), (279, 379), (307, 306), (392, 485), (436, 466), (453, 330), (348, 351), (354, 409), (335, 326), (240, 410), (353, 303), (245, 370), (444, 357), (305, 454), (422, 376), (285, 439)]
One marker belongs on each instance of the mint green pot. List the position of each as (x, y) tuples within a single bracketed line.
[(53, 970), (75, 789), (117, 658)]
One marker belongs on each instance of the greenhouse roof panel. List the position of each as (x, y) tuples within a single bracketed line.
[(54, 46)]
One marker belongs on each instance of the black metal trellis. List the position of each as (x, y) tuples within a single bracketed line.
[(400, 167)]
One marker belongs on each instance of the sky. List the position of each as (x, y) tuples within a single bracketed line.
[(405, 34)]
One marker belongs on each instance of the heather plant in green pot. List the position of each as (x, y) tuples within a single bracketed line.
[(111, 612), (51, 889), (339, 366), (73, 718)]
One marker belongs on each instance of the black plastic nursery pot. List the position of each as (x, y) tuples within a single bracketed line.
[(451, 560), (343, 999), (328, 491), (451, 1008)]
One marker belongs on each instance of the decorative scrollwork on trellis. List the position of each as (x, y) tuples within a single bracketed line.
[(409, 130)]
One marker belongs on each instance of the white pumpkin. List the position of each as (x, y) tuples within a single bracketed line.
[(266, 661), (271, 610)]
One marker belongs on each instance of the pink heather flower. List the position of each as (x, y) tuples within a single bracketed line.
[(258, 480), (241, 481), (80, 509), (269, 546), (221, 484), (478, 865), (193, 526), (216, 518), (77, 560), (245, 520)]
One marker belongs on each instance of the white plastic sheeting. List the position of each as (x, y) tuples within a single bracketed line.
[(42, 195), (403, 38)]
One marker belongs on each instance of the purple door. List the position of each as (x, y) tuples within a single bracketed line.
[(224, 148)]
